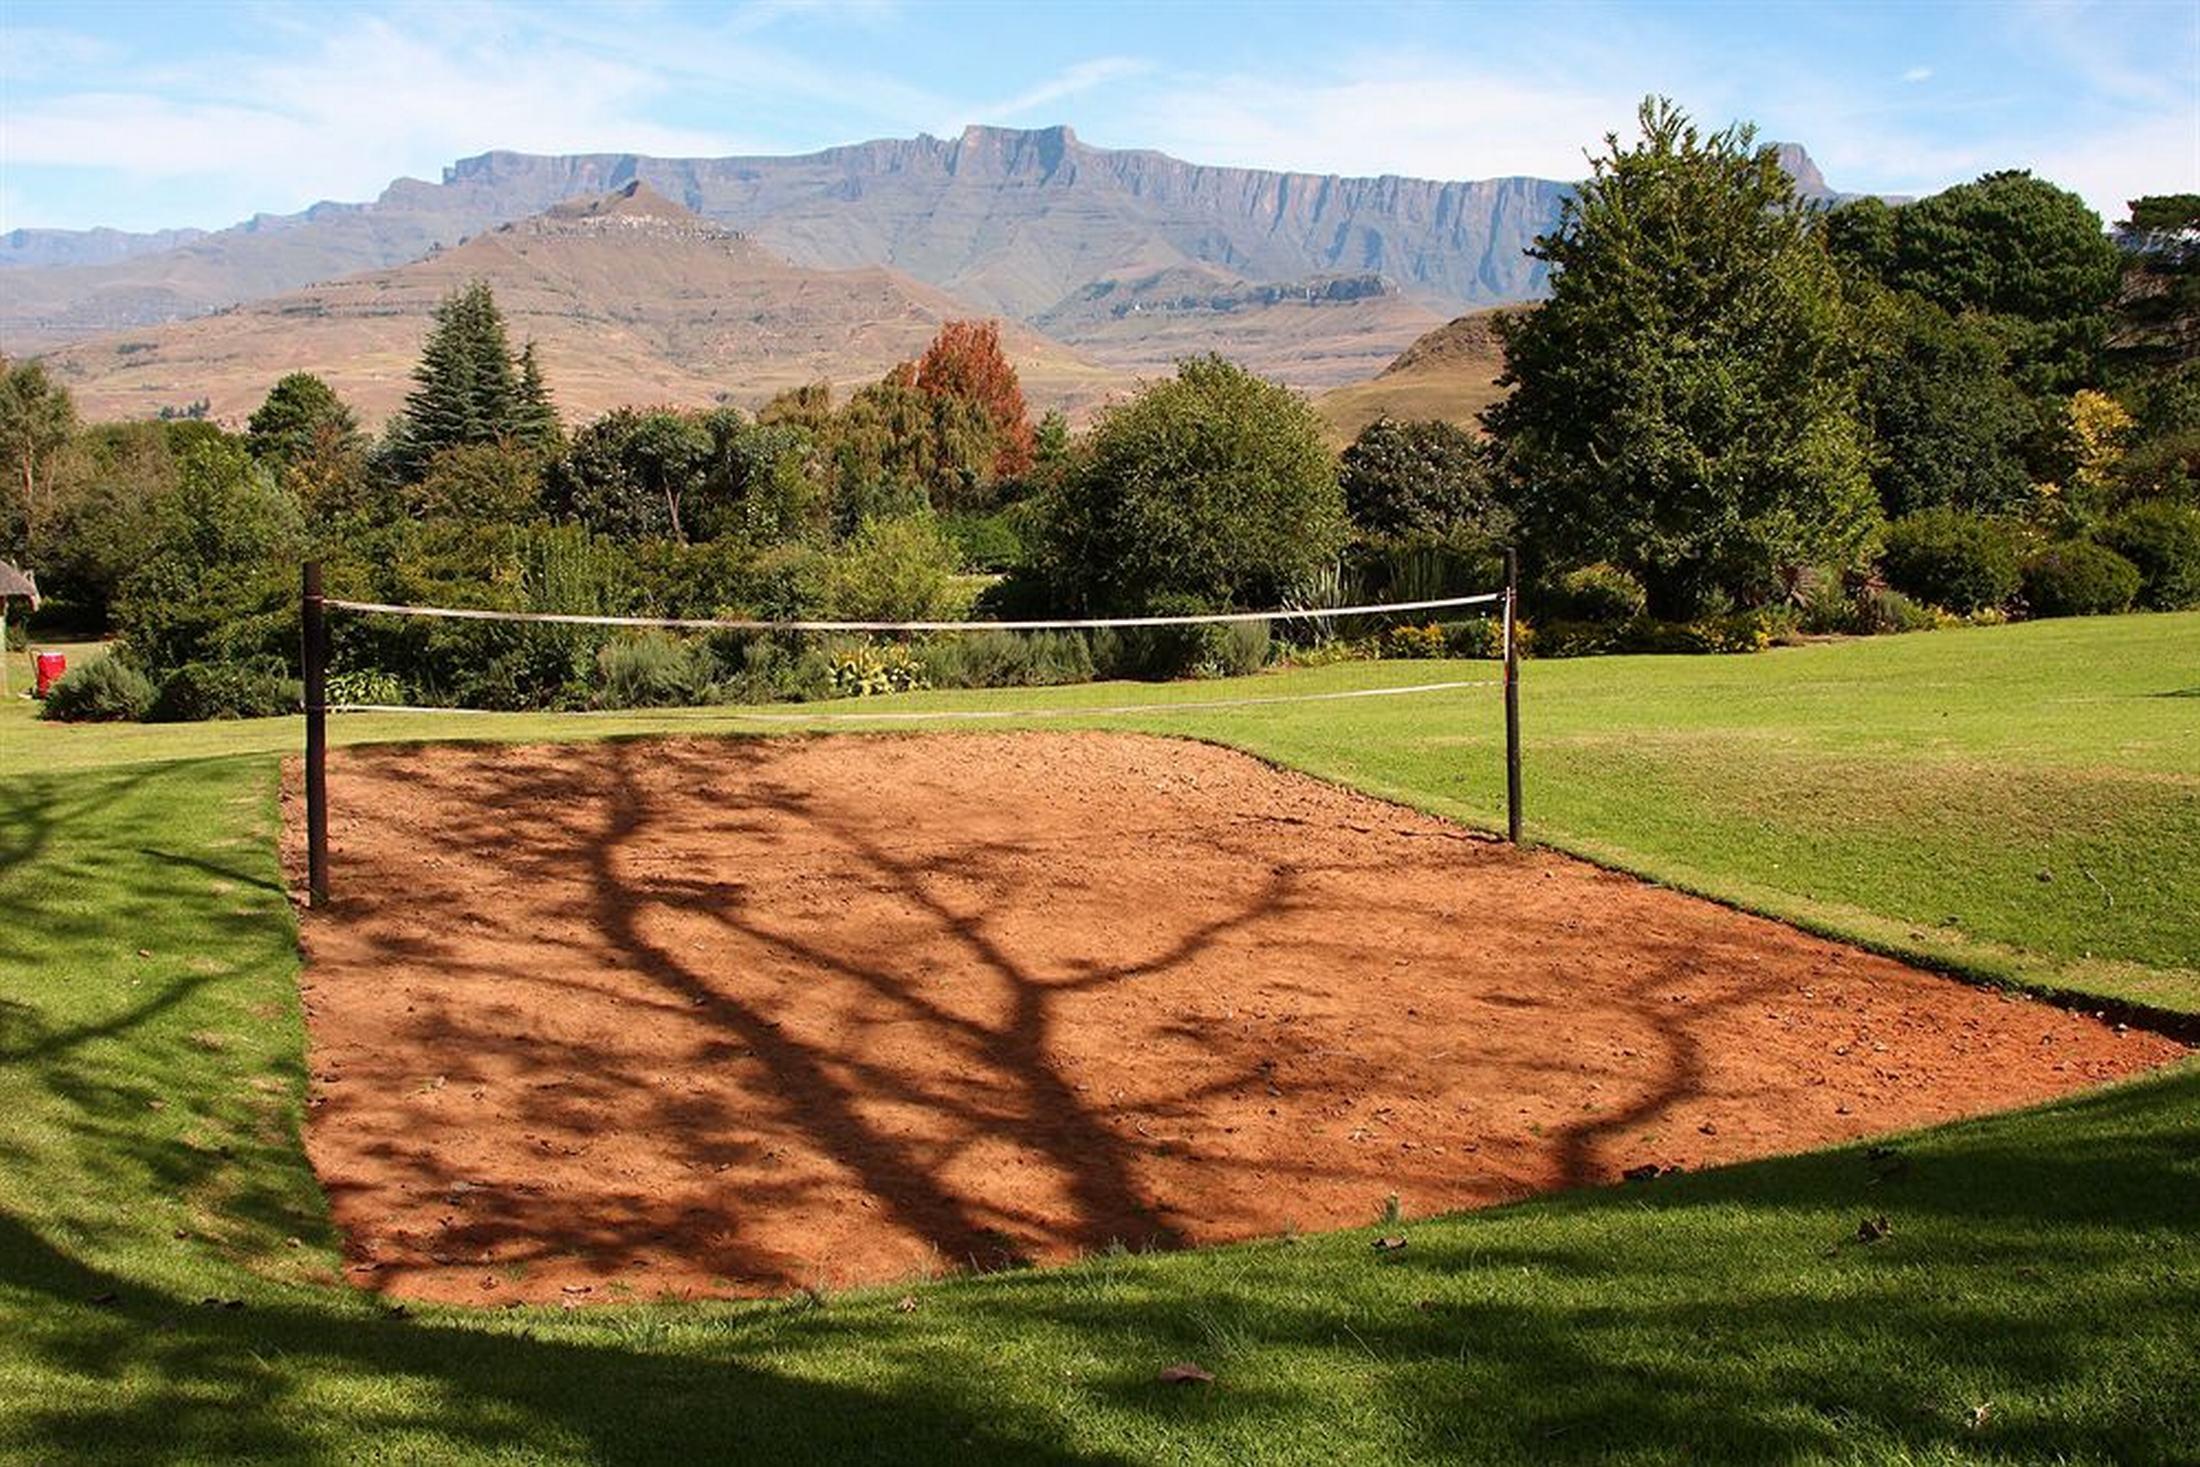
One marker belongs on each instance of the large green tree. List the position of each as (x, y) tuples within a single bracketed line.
[(220, 583), (298, 411), (37, 424), (1213, 487), (310, 437), (1948, 426), (468, 387), (2028, 258), (1685, 403), (635, 474)]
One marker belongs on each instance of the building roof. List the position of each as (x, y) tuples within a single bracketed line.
[(14, 582)]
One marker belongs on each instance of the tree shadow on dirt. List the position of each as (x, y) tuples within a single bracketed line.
[(773, 935)]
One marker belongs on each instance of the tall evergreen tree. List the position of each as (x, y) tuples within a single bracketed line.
[(537, 417), (468, 384), (299, 411)]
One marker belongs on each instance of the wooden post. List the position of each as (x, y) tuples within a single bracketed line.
[(1512, 697), (314, 624)]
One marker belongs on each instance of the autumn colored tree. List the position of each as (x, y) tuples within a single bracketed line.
[(965, 362)]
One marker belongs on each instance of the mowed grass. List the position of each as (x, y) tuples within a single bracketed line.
[(170, 1289)]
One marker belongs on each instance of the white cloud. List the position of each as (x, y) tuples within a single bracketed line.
[(1918, 74), (2113, 167), (1070, 82), (1383, 116), (339, 112)]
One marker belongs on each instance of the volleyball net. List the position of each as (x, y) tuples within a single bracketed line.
[(389, 657)]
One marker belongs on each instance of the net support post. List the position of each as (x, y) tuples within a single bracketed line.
[(313, 624), (1512, 696)]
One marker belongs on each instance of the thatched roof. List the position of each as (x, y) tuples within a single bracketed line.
[(15, 582)]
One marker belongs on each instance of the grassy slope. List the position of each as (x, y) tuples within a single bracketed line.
[(2047, 1264)]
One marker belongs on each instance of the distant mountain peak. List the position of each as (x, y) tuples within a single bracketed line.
[(634, 200)]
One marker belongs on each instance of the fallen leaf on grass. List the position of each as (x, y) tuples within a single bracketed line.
[(1184, 1373), (907, 1304), (1390, 1244), (1979, 1413), (1872, 1229)]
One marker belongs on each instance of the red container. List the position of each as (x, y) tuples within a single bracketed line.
[(50, 667)]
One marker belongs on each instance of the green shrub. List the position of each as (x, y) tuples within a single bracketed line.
[(2079, 578), (103, 690), (1876, 611), (1481, 637), (365, 688), (863, 670), (892, 570), (1408, 642), (2163, 541), (1160, 654), (1951, 559), (1005, 659), (198, 691), (655, 670), (1827, 606), (1602, 594), (1741, 631), (1214, 485), (757, 667), (1578, 639), (984, 542)]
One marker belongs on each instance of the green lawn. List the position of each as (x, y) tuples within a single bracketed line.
[(1908, 791)]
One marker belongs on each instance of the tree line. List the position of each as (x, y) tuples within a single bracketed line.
[(1740, 416)]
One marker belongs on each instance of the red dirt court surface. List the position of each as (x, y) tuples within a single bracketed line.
[(739, 1016)]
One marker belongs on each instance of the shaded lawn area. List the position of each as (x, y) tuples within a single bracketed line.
[(2044, 1266)]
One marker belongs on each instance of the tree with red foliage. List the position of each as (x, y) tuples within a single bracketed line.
[(965, 362)]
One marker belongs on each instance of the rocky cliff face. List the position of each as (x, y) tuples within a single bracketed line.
[(20, 247), (1016, 221), (1023, 224)]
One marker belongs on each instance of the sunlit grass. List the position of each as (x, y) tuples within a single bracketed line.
[(170, 1290)]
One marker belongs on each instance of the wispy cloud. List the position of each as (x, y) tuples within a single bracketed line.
[(236, 110), (1071, 82)]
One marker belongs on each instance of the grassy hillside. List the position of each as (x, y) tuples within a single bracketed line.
[(1449, 374), (165, 1263)]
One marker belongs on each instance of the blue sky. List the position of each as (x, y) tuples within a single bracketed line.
[(143, 115)]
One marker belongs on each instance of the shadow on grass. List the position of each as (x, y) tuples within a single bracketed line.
[(211, 1382), (2042, 1264)]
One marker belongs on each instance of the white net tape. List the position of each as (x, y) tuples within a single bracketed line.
[(907, 715), (1074, 624)]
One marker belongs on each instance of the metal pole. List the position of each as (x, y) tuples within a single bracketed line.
[(1512, 697), (314, 621)]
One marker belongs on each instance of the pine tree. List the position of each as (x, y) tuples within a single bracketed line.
[(537, 418), (469, 388)]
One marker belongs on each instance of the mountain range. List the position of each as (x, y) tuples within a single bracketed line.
[(1127, 258)]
